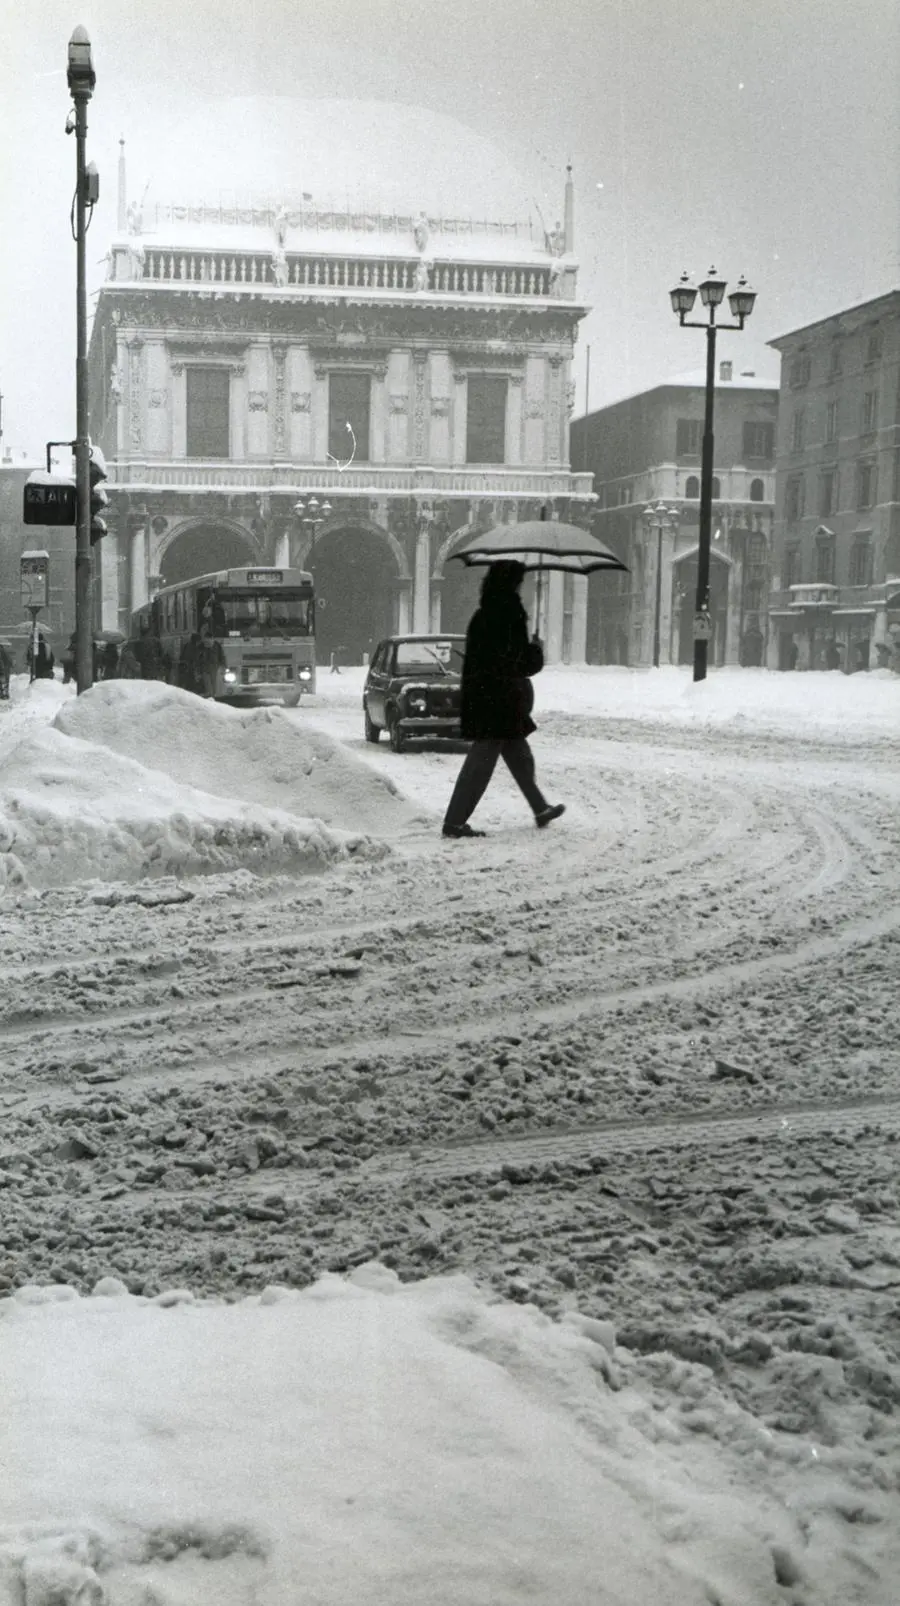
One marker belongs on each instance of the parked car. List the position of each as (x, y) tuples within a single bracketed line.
[(413, 688)]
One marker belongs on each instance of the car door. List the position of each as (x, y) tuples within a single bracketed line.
[(377, 682)]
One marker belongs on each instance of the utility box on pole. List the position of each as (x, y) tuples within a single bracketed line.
[(34, 569)]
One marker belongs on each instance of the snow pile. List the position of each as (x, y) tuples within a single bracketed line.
[(74, 808), (366, 1441), (262, 756)]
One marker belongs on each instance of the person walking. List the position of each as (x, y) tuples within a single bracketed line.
[(6, 669), (497, 699)]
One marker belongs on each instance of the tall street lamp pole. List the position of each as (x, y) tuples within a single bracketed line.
[(741, 300), (659, 518), (81, 80)]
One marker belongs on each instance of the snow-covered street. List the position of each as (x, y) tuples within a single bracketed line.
[(619, 1103)]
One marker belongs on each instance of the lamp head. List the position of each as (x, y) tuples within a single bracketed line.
[(712, 290), (683, 296), (741, 300), (80, 70)]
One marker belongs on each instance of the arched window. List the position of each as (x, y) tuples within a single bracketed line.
[(716, 489), (692, 489), (757, 491)]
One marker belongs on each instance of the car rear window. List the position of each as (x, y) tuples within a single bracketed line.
[(429, 655)]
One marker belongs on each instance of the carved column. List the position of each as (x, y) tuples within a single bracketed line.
[(420, 407), (555, 418), (279, 353), (109, 577), (138, 565), (460, 417), (514, 420), (179, 410), (135, 395), (422, 571)]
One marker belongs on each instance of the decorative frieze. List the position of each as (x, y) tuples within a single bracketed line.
[(399, 403), (258, 401), (301, 401), (158, 398), (135, 379), (440, 406)]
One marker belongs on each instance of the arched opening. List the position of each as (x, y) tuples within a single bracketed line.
[(355, 577), (459, 595), (692, 488), (716, 488), (684, 602), (757, 490), (203, 548)]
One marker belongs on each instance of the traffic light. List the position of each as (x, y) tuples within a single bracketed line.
[(99, 498)]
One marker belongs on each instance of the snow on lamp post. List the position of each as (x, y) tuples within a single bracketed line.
[(741, 301)]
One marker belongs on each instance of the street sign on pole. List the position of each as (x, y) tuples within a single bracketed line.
[(34, 569), (49, 499)]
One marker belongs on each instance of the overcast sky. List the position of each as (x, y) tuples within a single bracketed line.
[(761, 137)]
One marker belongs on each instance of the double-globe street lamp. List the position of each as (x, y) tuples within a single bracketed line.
[(659, 518), (312, 513), (712, 292)]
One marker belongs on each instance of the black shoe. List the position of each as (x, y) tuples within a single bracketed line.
[(461, 830), (546, 815)]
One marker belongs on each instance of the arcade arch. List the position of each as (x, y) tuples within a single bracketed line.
[(201, 547), (362, 588)]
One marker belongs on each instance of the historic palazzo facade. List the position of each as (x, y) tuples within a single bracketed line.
[(413, 372)]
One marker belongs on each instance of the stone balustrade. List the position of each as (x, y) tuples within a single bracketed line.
[(266, 270), (361, 479)]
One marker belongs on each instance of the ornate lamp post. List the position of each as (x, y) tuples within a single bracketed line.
[(741, 300), (312, 513), (659, 518)]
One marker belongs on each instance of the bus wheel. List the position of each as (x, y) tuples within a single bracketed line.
[(396, 736), (373, 732)]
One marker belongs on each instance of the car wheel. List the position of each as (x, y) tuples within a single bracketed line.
[(396, 736), (372, 731)]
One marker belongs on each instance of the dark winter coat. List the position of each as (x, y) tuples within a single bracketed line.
[(497, 695)]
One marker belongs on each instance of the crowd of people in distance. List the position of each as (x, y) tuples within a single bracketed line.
[(144, 659)]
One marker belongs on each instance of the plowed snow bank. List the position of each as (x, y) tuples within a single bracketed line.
[(72, 810), (259, 755)]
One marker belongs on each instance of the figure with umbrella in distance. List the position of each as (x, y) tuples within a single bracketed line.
[(497, 695)]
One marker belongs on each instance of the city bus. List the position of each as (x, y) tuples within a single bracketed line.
[(239, 635)]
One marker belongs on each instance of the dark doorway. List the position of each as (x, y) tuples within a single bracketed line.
[(355, 575), (203, 550)]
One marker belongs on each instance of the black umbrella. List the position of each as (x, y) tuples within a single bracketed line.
[(541, 544)]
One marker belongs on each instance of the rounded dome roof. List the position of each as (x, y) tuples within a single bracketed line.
[(366, 154)]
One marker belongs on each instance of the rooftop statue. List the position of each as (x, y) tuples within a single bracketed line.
[(281, 227), (420, 231)]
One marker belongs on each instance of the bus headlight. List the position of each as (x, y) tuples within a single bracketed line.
[(305, 674), (418, 705), (230, 675)]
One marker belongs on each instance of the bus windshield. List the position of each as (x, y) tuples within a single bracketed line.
[(249, 613)]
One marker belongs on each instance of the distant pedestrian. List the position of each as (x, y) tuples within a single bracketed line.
[(833, 656), (68, 660), (335, 667), (129, 668), (109, 661), (794, 654), (43, 660), (497, 699), (210, 659), (6, 669)]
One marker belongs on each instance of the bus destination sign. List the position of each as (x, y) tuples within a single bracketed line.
[(264, 577)]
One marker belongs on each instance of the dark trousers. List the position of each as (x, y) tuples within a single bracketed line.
[(478, 767)]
